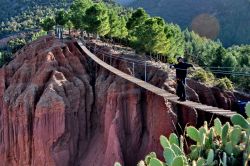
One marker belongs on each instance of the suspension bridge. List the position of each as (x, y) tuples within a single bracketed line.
[(149, 87)]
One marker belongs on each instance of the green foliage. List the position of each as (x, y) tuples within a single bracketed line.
[(229, 61), (221, 144), (173, 139), (77, 11), (218, 127), (182, 12), (220, 61), (25, 16), (169, 155), (69, 25), (48, 23), (4, 57), (203, 76), (38, 35), (164, 142), (114, 23), (137, 18), (193, 133), (199, 49), (62, 17), (16, 44), (241, 121), (155, 162), (122, 28), (224, 84), (97, 19), (10, 9), (150, 36), (176, 41), (220, 54)]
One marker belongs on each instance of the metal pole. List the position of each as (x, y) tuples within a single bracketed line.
[(133, 69), (145, 69)]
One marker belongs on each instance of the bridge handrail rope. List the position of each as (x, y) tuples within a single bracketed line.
[(214, 68), (154, 89), (146, 64)]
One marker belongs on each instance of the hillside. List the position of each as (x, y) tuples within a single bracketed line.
[(233, 16), (15, 7), (26, 15)]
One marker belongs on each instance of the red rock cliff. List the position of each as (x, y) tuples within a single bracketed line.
[(58, 108)]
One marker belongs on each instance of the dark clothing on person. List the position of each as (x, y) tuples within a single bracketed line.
[(180, 90), (181, 74), (181, 69)]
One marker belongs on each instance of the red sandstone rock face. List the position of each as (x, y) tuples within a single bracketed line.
[(211, 96), (57, 108)]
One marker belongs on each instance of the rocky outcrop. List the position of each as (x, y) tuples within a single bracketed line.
[(211, 95), (58, 108)]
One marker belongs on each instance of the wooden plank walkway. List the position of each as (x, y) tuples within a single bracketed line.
[(154, 89)]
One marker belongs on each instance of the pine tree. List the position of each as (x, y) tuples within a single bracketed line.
[(97, 19), (77, 10), (176, 39), (122, 28), (114, 22), (61, 17), (137, 18), (220, 54), (48, 23), (151, 37)]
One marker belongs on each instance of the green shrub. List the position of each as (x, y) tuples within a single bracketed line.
[(203, 76), (224, 84), (38, 35), (16, 44), (5, 57)]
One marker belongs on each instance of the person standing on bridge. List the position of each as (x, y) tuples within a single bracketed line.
[(181, 74)]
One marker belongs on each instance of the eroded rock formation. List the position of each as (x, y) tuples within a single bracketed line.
[(59, 108)]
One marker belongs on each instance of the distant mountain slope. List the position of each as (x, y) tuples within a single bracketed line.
[(11, 8), (233, 16), (25, 15)]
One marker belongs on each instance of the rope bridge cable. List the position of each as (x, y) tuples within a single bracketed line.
[(147, 64), (233, 72), (227, 71), (223, 67), (213, 71), (143, 62)]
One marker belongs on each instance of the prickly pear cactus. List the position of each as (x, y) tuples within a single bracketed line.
[(221, 144)]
